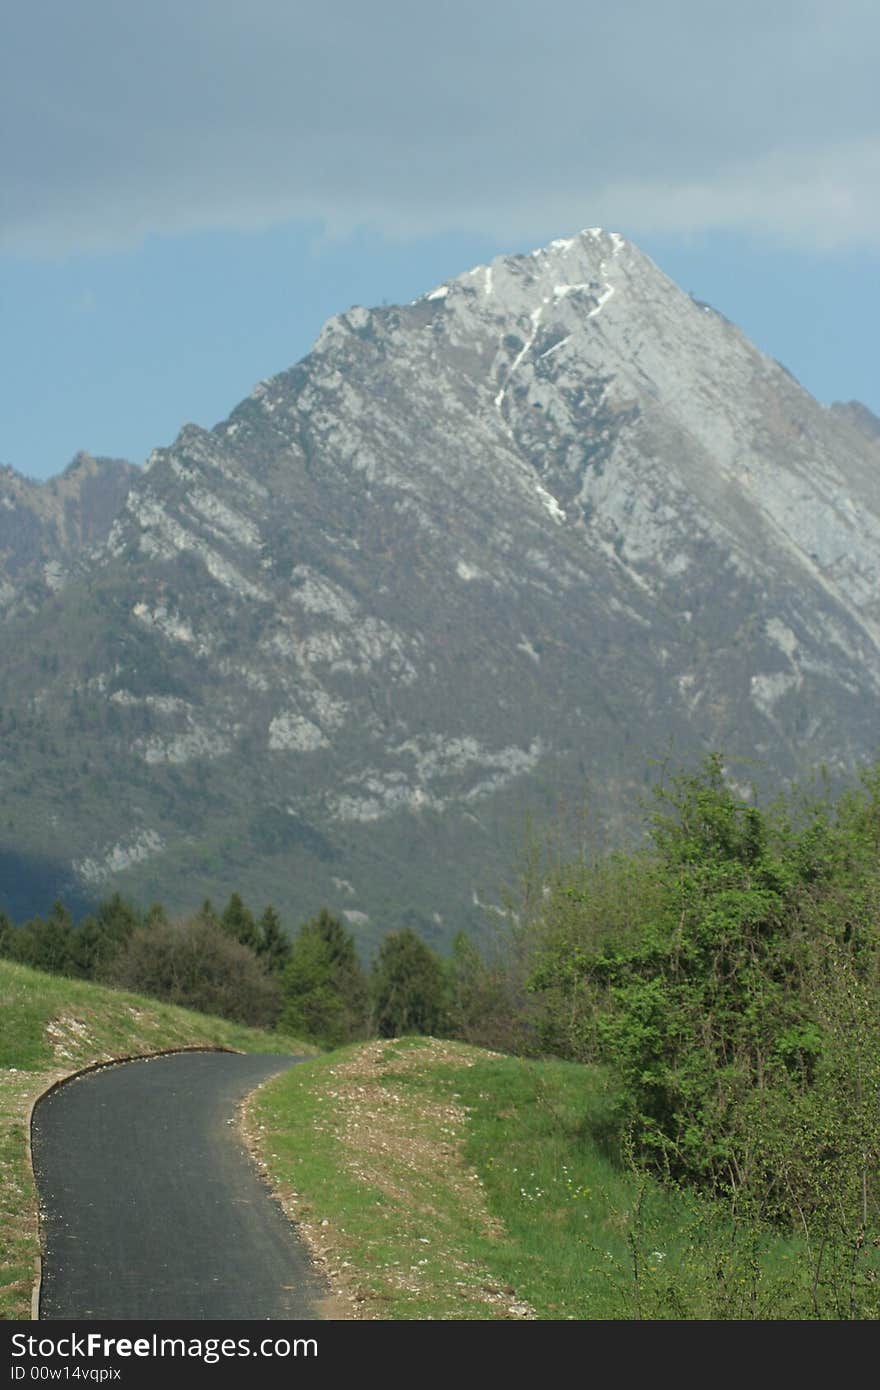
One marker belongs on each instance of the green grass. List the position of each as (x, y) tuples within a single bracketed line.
[(589, 1237), (375, 1167), (49, 1027), (365, 1167)]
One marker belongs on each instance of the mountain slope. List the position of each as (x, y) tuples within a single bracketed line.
[(44, 526), (468, 554)]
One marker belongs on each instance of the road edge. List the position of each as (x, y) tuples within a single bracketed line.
[(339, 1304), (55, 1086)]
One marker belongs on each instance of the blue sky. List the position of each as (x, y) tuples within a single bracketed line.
[(188, 190)]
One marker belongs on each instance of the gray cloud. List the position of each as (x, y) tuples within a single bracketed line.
[(510, 119)]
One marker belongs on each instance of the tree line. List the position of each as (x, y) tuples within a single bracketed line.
[(237, 965)]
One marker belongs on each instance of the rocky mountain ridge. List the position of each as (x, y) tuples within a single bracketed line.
[(469, 556), (44, 526)]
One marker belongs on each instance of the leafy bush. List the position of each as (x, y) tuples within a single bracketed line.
[(735, 991), (195, 963)]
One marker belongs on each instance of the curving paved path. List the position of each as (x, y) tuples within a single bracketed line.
[(152, 1208)]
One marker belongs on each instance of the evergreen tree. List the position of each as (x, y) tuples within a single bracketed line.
[(325, 989), (208, 912), (238, 922), (103, 934), (273, 945), (47, 944), (409, 989)]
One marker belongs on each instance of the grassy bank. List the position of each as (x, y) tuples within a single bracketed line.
[(50, 1027), (434, 1180)]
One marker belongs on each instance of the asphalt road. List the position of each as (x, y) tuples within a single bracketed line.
[(152, 1208)]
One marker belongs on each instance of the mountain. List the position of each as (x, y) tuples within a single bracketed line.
[(473, 559), (44, 526), (859, 415)]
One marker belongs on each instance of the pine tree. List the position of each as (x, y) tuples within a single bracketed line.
[(238, 922), (273, 946), (409, 987), (324, 985)]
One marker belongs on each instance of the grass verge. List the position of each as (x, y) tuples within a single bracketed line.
[(364, 1150), (434, 1180), (50, 1027)]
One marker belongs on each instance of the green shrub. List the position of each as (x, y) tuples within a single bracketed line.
[(196, 964)]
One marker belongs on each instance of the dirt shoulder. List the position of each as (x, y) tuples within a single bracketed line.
[(365, 1151)]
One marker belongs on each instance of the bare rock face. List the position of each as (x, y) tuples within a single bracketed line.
[(471, 558), (859, 416), (45, 526)]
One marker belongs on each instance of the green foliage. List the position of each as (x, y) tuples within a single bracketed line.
[(274, 831), (6, 935), (46, 944), (325, 989), (483, 1002), (196, 964), (60, 947), (238, 922), (273, 945), (408, 987), (209, 913), (103, 934), (572, 1234), (583, 910), (735, 992)]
